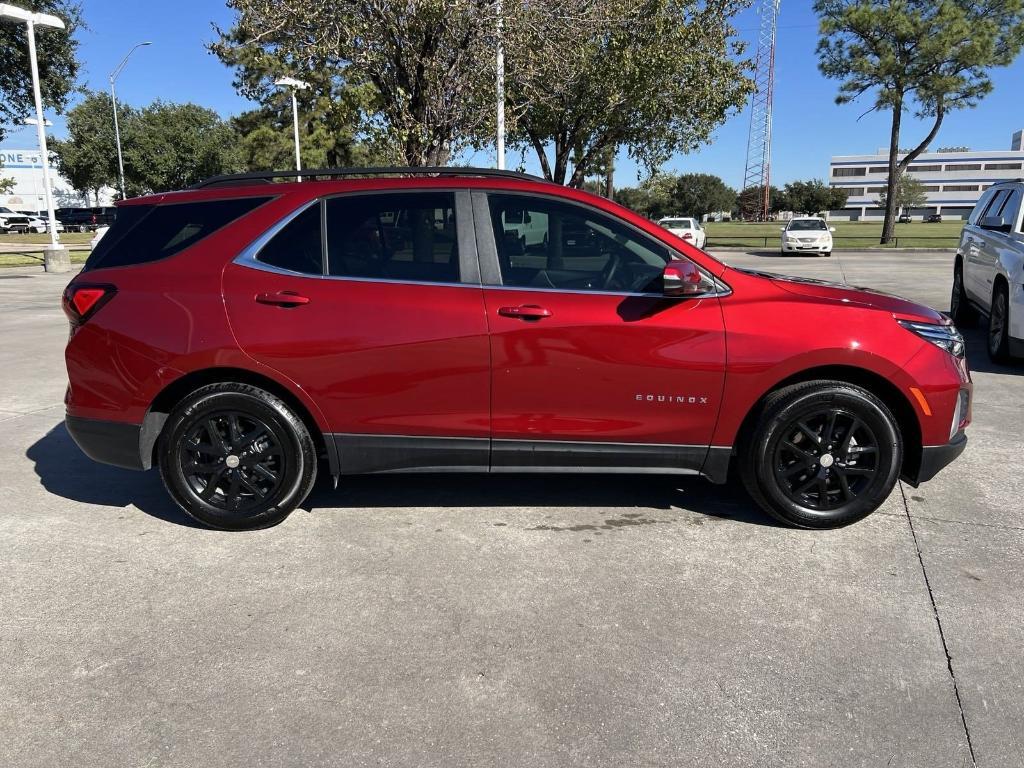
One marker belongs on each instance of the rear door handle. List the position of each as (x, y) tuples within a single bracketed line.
[(525, 312), (282, 299)]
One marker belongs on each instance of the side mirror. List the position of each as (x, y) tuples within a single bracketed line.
[(831, 229), (996, 223), (682, 278)]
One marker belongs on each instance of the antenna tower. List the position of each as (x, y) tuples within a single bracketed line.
[(758, 171)]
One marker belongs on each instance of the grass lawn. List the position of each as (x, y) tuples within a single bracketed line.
[(36, 259), (848, 234), (67, 238)]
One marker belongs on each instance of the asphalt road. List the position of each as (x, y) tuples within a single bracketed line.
[(509, 620)]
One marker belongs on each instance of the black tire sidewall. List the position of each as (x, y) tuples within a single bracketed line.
[(296, 445), (1002, 353), (790, 409)]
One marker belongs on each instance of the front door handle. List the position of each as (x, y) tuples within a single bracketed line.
[(282, 299), (525, 312)]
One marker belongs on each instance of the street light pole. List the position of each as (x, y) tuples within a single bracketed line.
[(113, 101), (294, 84), (500, 85), (55, 258)]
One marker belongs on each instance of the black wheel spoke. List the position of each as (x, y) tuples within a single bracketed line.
[(232, 460), (831, 470)]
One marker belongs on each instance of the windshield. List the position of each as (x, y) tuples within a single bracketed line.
[(805, 225)]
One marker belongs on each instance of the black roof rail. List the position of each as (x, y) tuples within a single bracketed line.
[(267, 177)]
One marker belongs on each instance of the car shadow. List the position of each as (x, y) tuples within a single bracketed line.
[(66, 472), (976, 340)]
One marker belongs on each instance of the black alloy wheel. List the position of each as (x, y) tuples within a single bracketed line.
[(236, 457), (824, 460), (233, 461), (822, 454)]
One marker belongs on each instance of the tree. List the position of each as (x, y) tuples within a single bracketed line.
[(172, 146), (812, 196), (927, 56), (748, 199), (56, 51), (837, 198), (88, 157), (6, 185), (696, 194), (419, 67), (586, 78), (910, 193)]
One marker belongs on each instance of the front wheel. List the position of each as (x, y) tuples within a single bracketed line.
[(999, 326), (960, 309), (823, 454), (236, 457)]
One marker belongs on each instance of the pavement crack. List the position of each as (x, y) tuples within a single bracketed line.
[(938, 623)]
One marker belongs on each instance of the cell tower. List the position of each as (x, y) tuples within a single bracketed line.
[(758, 171)]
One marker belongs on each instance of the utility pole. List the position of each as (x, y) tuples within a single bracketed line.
[(293, 84), (117, 128)]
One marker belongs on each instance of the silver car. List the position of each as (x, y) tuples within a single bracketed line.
[(988, 275)]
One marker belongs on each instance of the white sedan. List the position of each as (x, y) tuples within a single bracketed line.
[(809, 233), (688, 229)]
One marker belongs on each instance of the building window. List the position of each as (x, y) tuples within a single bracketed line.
[(925, 168), (852, 191), (849, 171), (933, 189), (875, 190), (1002, 166), (879, 169), (960, 188), (964, 167)]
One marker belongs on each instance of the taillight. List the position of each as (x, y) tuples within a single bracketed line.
[(81, 302), (687, 236)]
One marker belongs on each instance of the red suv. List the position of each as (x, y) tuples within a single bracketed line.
[(243, 333)]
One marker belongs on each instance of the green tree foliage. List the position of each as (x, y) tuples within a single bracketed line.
[(585, 77), (88, 156), (415, 72), (56, 51), (910, 193), (6, 184), (813, 196), (687, 194), (172, 146), (926, 56), (748, 199)]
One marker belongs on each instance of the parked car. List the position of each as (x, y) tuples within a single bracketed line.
[(905, 218), (988, 272), (807, 233), (77, 219), (12, 221), (39, 223), (688, 229), (244, 336), (933, 218)]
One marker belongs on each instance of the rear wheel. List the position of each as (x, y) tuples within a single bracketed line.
[(236, 457), (999, 325), (823, 454), (960, 308)]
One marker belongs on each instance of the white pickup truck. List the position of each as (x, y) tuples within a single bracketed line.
[(12, 221)]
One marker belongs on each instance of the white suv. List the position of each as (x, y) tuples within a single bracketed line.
[(988, 275), (808, 233)]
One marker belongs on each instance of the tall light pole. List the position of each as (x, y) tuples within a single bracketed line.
[(500, 85), (55, 258), (113, 100), (291, 82)]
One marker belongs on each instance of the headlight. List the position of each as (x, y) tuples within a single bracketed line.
[(945, 336)]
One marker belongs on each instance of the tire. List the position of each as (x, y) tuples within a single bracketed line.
[(960, 309), (807, 482), (827, 254), (248, 442), (999, 326)]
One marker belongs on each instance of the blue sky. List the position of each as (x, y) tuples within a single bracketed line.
[(808, 126)]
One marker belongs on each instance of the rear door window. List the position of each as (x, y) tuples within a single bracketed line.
[(144, 233), (409, 237)]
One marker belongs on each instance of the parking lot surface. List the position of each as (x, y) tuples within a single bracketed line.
[(508, 620)]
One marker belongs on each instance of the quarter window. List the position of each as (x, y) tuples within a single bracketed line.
[(547, 244), (406, 236), (298, 247)]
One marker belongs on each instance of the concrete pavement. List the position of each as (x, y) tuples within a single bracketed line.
[(509, 620)]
